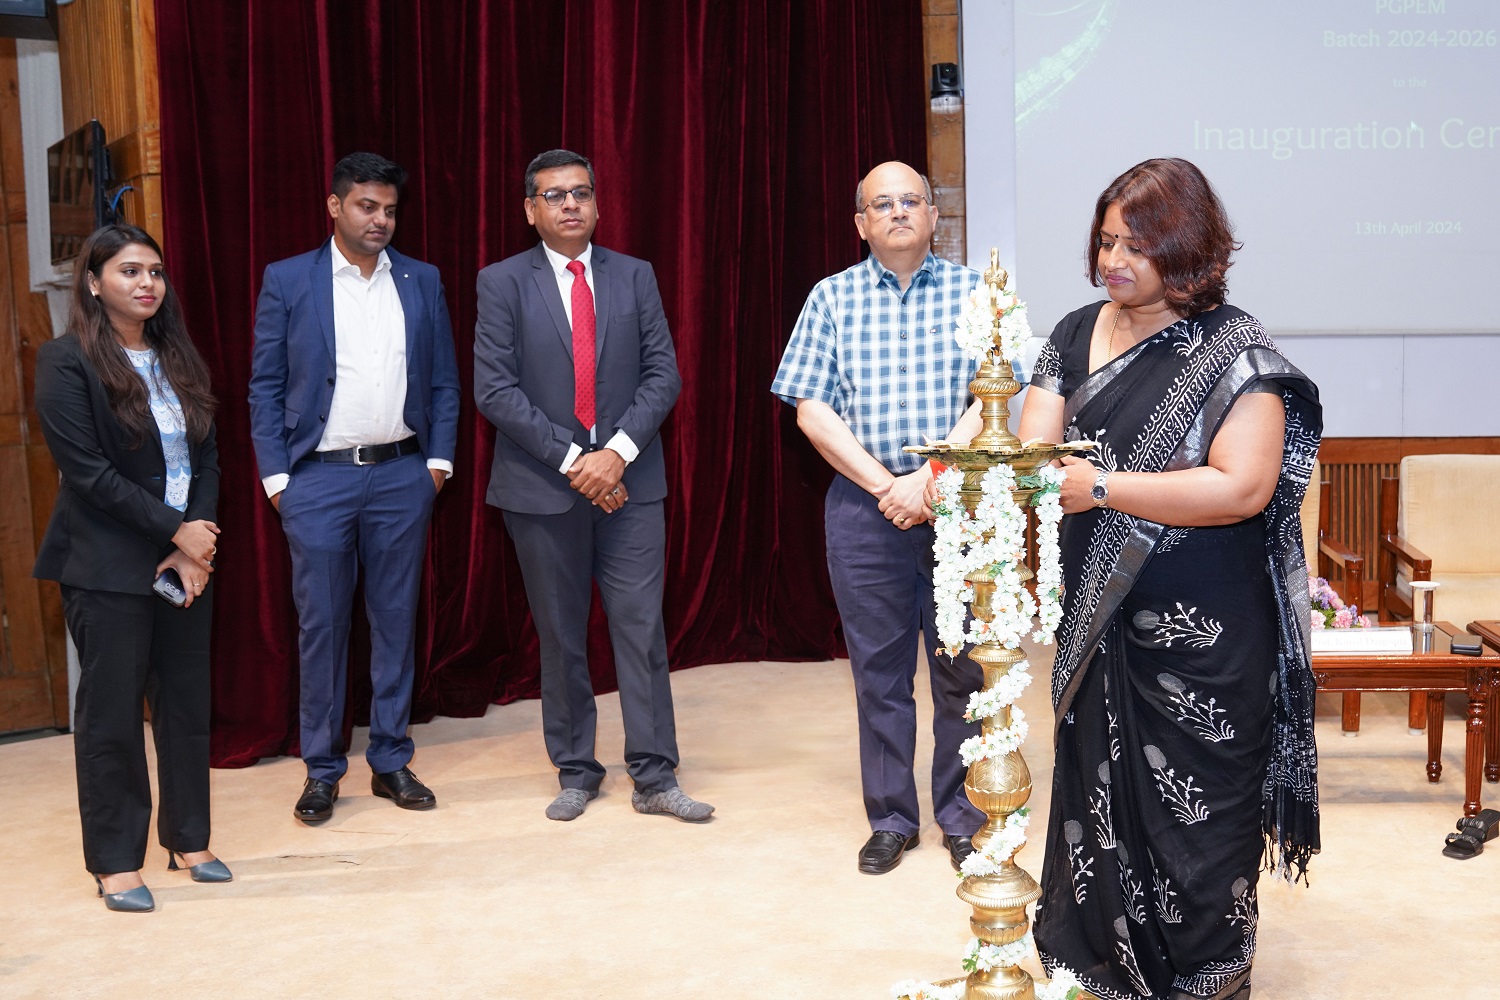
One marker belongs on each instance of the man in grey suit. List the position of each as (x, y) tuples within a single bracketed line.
[(573, 364)]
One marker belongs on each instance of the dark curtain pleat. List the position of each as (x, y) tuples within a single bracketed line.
[(727, 138)]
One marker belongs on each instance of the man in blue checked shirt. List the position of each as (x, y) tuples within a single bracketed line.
[(872, 366)]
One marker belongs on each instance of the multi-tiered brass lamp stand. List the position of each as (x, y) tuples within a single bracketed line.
[(997, 786)]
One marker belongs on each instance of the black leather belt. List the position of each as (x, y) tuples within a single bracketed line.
[(369, 454)]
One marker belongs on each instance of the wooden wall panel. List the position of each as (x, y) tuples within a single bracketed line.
[(107, 51), (941, 32), (33, 655), (107, 58)]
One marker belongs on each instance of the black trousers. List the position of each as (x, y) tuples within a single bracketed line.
[(132, 647)]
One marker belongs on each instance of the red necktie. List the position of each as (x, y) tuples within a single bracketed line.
[(583, 346)]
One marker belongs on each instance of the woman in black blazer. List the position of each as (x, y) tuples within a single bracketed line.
[(127, 411)]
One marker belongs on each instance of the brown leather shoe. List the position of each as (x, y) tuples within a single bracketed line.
[(403, 788), (883, 851)]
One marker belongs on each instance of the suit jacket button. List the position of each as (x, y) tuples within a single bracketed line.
[(330, 381), (322, 418)]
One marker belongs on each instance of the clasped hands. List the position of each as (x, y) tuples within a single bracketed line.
[(907, 500), (596, 475), (193, 558)]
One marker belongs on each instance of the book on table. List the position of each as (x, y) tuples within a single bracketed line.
[(1386, 639)]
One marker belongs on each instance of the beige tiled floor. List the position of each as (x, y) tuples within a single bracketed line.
[(483, 897)]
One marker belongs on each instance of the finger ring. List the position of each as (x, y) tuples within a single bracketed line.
[(615, 490)]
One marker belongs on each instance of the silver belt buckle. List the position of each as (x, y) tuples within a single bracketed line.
[(357, 460)]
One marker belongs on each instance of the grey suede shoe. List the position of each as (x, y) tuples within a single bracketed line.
[(673, 802), (570, 803)]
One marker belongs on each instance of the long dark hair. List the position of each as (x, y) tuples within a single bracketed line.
[(1180, 225), (165, 333)]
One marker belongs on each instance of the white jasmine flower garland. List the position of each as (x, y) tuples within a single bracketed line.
[(1064, 986), (995, 744), (983, 957), (1048, 502), (911, 989), (994, 320), (990, 541), (1001, 848), (987, 704)]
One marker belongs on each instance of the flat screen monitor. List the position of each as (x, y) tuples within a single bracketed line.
[(78, 176), (28, 19)]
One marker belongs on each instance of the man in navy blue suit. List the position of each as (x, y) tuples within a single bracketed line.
[(574, 365), (354, 400)]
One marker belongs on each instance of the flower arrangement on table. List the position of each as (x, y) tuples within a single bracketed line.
[(1329, 609), (989, 544)]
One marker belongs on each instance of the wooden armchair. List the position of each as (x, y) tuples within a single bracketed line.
[(1439, 516), (1324, 555), (1396, 553)]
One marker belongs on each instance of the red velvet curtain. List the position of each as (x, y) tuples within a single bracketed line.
[(727, 138)]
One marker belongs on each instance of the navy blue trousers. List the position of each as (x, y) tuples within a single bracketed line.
[(338, 518), (882, 581)]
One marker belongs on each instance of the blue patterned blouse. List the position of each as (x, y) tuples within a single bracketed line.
[(167, 410)]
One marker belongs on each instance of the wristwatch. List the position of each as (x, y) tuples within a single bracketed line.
[(1100, 492)]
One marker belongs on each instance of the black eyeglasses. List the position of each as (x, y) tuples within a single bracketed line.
[(885, 206), (555, 198)]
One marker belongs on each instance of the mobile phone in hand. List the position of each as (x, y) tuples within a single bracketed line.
[(169, 588)]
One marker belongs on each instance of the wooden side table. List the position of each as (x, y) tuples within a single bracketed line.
[(1436, 671), (1489, 631)]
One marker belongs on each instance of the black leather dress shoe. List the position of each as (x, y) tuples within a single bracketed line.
[(958, 849), (403, 788), (883, 851), (316, 803)]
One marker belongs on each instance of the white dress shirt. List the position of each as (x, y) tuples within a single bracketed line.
[(620, 444), (369, 336)]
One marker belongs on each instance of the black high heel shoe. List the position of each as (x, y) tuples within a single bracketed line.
[(137, 900), (1473, 833), (204, 871)]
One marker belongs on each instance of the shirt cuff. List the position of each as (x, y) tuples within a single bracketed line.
[(442, 465), (573, 452), (275, 484), (621, 445)]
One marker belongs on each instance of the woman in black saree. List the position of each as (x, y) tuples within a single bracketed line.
[(1184, 698)]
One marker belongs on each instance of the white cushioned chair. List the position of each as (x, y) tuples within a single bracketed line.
[(1439, 522)]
